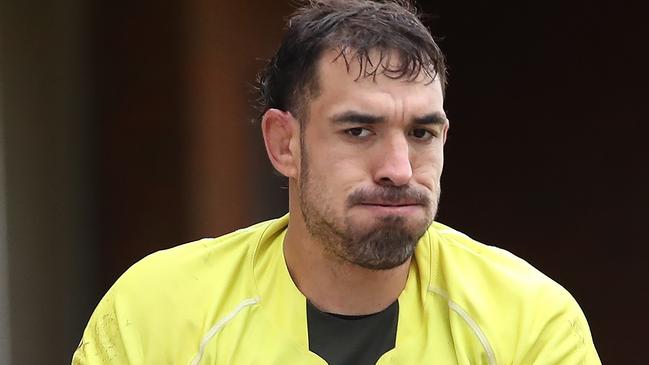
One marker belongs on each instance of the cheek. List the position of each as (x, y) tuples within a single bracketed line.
[(427, 169), (338, 163), (427, 176), (333, 179), (341, 177)]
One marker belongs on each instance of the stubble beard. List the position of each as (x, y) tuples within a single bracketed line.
[(388, 243)]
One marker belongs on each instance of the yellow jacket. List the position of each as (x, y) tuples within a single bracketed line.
[(230, 301)]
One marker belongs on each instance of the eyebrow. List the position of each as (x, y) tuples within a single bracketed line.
[(357, 118), (433, 118), (364, 118)]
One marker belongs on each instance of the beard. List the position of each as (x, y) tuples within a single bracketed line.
[(381, 245)]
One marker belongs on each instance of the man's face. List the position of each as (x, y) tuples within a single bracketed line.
[(371, 161)]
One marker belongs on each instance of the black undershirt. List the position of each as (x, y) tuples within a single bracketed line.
[(352, 340)]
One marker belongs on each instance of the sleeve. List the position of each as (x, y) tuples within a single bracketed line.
[(564, 338), (110, 336)]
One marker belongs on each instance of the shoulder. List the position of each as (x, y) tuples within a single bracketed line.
[(499, 280), (517, 308), (191, 269), (481, 264), (167, 300), (195, 258)]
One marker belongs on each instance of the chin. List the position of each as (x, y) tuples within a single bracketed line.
[(383, 247), (389, 221)]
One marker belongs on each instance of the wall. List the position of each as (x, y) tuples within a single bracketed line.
[(127, 129), (46, 178)]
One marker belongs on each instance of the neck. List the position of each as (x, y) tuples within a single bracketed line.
[(334, 285)]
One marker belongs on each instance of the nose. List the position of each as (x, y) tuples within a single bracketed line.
[(393, 166)]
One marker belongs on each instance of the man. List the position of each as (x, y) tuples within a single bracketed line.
[(358, 272)]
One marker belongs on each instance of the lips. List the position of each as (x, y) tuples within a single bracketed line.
[(391, 209), (393, 201), (389, 197), (390, 204)]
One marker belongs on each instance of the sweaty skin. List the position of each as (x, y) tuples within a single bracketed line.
[(362, 134)]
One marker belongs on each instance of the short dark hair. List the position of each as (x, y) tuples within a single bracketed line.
[(360, 26)]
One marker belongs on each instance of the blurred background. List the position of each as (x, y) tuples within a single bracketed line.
[(126, 127)]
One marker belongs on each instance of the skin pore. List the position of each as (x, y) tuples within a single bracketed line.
[(364, 180)]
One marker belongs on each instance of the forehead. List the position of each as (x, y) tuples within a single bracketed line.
[(346, 82)]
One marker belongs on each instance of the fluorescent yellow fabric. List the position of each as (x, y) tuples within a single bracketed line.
[(230, 300)]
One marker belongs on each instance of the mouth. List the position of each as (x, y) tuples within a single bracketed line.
[(401, 208), (389, 204), (390, 201), (386, 203)]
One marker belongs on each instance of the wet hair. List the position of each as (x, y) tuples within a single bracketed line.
[(356, 29)]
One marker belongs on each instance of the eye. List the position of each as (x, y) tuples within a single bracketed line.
[(358, 132), (422, 134)]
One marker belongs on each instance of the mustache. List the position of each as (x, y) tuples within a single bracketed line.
[(389, 195)]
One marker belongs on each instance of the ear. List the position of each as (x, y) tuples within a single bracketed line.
[(281, 137), (445, 133)]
